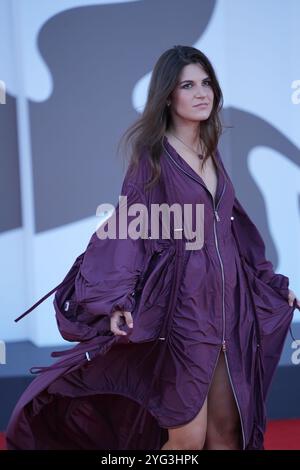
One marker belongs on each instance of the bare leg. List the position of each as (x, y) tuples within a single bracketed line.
[(223, 425), (190, 436)]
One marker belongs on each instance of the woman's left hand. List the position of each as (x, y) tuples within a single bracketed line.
[(291, 298)]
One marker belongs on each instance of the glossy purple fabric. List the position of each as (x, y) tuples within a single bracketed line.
[(116, 392)]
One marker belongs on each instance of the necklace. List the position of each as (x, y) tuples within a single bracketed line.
[(187, 146)]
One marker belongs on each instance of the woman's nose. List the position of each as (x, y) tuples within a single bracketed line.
[(201, 91)]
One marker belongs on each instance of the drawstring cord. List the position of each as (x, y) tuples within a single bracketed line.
[(40, 301), (69, 278), (80, 349)]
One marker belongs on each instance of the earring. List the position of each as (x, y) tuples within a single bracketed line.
[(168, 103)]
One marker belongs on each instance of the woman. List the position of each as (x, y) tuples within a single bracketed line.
[(177, 347)]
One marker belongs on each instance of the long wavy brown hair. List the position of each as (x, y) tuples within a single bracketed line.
[(147, 132)]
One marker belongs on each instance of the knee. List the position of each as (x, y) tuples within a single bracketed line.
[(223, 435)]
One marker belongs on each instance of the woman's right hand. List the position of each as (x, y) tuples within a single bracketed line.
[(117, 319)]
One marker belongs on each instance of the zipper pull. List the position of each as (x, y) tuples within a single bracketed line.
[(224, 346), (217, 216)]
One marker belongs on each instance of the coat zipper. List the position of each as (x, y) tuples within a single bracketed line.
[(223, 347)]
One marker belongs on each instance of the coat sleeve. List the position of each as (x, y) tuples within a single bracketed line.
[(253, 249), (112, 267)]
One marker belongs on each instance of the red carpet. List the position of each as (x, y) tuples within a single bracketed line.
[(280, 435), (2, 441), (283, 435)]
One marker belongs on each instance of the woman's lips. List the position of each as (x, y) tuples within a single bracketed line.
[(200, 105)]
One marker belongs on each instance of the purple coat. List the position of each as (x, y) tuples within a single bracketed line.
[(123, 392)]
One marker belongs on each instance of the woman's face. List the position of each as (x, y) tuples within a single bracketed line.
[(193, 88)]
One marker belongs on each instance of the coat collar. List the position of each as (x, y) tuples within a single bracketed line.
[(187, 169)]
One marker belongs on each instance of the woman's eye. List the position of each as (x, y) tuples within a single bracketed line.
[(206, 82)]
